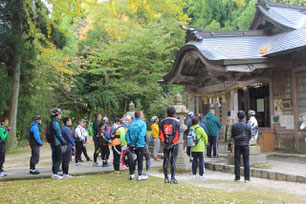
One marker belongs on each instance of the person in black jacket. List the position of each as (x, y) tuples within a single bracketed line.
[(170, 130), (241, 133), (97, 139)]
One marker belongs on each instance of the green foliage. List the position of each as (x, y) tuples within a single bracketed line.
[(221, 14), (124, 58)]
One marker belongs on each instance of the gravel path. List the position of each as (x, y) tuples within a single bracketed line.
[(224, 181)]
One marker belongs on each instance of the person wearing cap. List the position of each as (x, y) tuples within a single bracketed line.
[(57, 153), (155, 135), (189, 124), (35, 143), (85, 133), (79, 140), (254, 125), (107, 130), (125, 123)]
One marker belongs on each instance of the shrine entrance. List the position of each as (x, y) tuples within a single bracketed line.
[(256, 98)]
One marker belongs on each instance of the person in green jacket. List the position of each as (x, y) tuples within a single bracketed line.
[(213, 126), (4, 131), (125, 123), (197, 151)]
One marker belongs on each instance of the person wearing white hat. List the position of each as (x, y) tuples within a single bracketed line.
[(254, 125), (155, 135)]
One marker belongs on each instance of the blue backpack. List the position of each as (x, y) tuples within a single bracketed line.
[(192, 139)]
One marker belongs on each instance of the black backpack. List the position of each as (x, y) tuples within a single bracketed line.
[(29, 133), (49, 133), (114, 133)]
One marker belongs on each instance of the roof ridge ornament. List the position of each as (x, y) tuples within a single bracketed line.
[(193, 35), (264, 4)]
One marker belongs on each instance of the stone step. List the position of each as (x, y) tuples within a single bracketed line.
[(258, 173), (287, 157)]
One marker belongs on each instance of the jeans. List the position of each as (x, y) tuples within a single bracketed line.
[(57, 158), (132, 164), (147, 157), (156, 146), (198, 158), (117, 154), (173, 151), (34, 156), (66, 159), (245, 151), (212, 143)]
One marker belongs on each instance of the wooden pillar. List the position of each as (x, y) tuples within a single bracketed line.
[(234, 103)]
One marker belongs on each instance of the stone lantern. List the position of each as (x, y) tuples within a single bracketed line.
[(131, 111), (182, 161)]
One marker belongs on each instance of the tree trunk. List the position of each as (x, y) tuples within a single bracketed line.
[(13, 105), (125, 107), (91, 110)]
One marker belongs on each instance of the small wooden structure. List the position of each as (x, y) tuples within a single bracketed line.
[(263, 69)]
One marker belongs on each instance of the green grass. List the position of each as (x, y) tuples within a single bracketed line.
[(112, 188)]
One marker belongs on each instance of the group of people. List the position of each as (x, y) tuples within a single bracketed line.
[(129, 140)]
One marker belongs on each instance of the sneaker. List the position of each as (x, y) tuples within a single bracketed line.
[(194, 176), (157, 159), (89, 160), (2, 175), (56, 176), (96, 165), (201, 177), (77, 164), (124, 167), (142, 177), (174, 181), (67, 176), (132, 176), (106, 165), (117, 172), (34, 171), (237, 181), (166, 180), (247, 181)]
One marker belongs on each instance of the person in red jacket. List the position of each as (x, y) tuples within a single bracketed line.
[(170, 130)]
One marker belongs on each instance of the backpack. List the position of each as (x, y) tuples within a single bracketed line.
[(90, 130), (49, 133), (115, 136), (72, 132), (29, 134), (192, 139)]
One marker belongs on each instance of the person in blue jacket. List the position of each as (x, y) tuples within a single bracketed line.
[(57, 154), (135, 138), (67, 156), (35, 143), (213, 126)]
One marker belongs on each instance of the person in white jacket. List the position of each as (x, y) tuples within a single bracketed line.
[(254, 125), (80, 135)]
